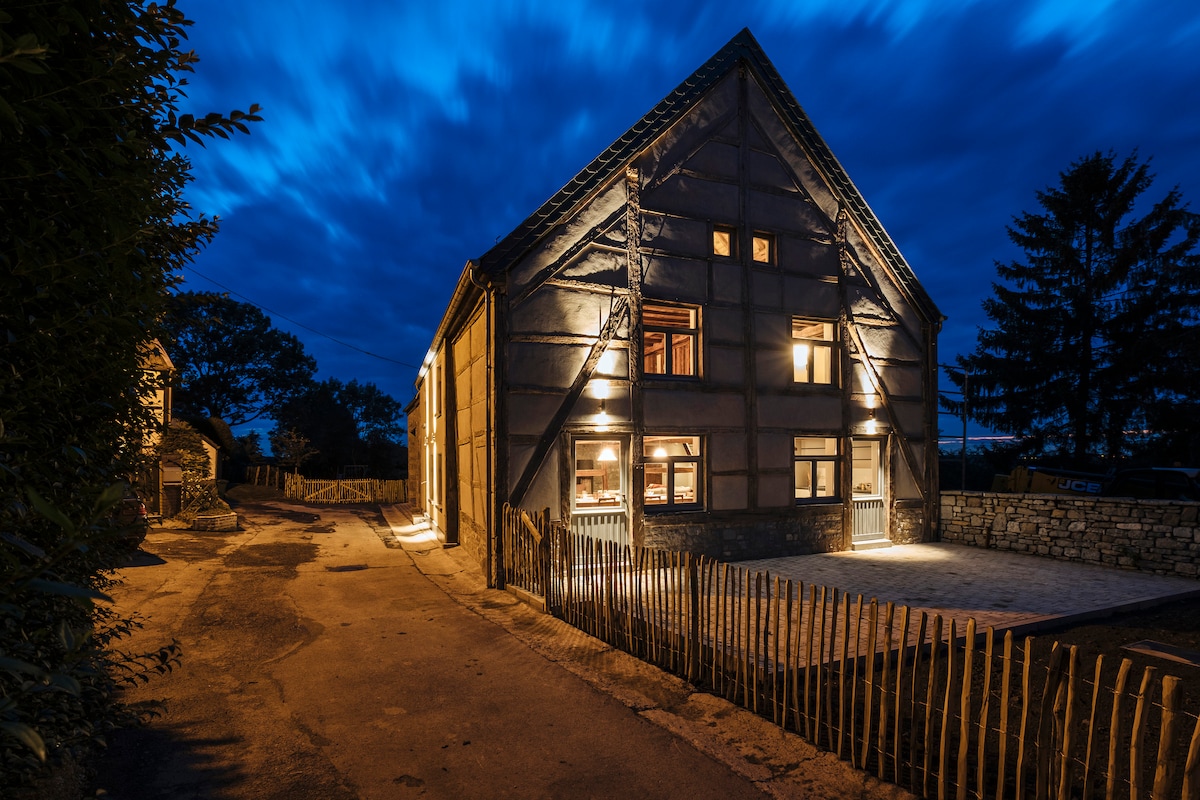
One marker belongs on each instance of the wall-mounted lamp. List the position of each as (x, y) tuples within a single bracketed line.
[(660, 452), (607, 454)]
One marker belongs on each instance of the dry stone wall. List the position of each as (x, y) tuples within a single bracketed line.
[(1160, 536)]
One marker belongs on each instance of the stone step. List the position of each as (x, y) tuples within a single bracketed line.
[(871, 544)]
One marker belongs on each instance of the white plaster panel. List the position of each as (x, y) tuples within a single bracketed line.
[(528, 414), (724, 324), (729, 492), (774, 451), (807, 256), (557, 310), (800, 413), (727, 282), (690, 196), (549, 365), (603, 267), (518, 457), (888, 343), (772, 328), (544, 491), (565, 236), (780, 138), (671, 409), (776, 491), (781, 213), (675, 279), (718, 159), (702, 122), (774, 368), (727, 452), (689, 237), (902, 381), (766, 289), (726, 366), (810, 298), (909, 418), (765, 169)]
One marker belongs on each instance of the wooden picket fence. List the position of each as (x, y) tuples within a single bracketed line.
[(903, 695), (265, 475), (355, 490)]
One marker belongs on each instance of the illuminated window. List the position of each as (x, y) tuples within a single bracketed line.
[(866, 478), (816, 468), (813, 352), (763, 246), (674, 478), (669, 340), (598, 475), (723, 240)]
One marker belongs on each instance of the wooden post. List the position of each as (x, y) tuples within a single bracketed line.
[(858, 605), (1026, 702), (885, 684), (869, 687), (1191, 770), (984, 711), (1164, 776), (898, 713), (912, 703), (1068, 723), (1045, 736), (935, 643), (841, 734), (944, 740), (1114, 728), (829, 682), (808, 662), (964, 712), (821, 669), (1137, 737), (1005, 676)]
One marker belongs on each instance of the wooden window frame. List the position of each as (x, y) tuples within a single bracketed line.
[(829, 346), (669, 464), (811, 461), (671, 333)]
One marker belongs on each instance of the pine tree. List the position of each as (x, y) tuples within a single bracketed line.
[(1094, 332)]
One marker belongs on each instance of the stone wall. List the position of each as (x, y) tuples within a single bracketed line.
[(1160, 536), (813, 529)]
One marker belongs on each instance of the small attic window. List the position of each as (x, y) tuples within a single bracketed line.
[(723, 238), (764, 248)]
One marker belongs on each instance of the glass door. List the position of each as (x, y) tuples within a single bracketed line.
[(866, 484)]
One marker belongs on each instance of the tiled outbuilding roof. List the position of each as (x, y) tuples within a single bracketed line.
[(617, 156)]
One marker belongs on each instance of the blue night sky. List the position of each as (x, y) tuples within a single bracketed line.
[(402, 138)]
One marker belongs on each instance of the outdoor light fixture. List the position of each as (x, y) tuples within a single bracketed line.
[(607, 454), (660, 452)]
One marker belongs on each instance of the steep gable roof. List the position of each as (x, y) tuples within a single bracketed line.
[(742, 48)]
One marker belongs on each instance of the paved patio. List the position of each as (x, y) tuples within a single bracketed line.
[(1001, 589)]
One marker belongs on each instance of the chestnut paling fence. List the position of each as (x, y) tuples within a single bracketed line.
[(910, 697)]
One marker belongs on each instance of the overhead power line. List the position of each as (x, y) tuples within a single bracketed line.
[(261, 307)]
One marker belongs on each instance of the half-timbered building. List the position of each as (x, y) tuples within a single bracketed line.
[(705, 341)]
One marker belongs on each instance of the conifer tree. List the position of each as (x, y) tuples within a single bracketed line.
[(1094, 332)]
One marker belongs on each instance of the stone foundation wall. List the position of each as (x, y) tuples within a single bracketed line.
[(818, 529), (1160, 536)]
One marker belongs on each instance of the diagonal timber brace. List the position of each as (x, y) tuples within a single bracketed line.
[(550, 435)]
